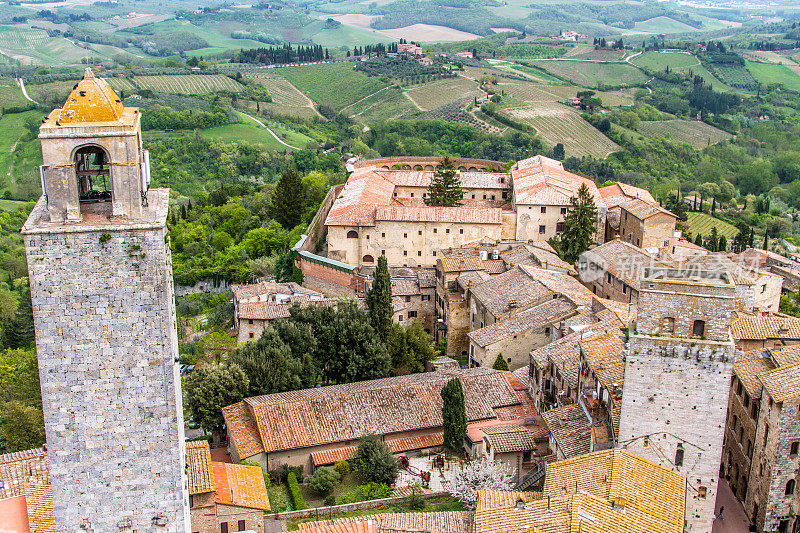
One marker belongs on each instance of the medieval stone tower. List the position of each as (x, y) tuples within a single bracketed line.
[(101, 286), (677, 377)]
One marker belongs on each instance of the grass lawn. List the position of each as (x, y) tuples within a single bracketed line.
[(771, 73), (441, 504), (701, 224), (12, 205), (350, 482)]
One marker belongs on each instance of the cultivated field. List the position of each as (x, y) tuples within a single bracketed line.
[(188, 84), (557, 123), (698, 134), (11, 95), (589, 52), (701, 224), (766, 57), (438, 93), (663, 25), (35, 47), (336, 84), (770, 73), (281, 90), (535, 92), (385, 105), (658, 61), (121, 84), (592, 74)]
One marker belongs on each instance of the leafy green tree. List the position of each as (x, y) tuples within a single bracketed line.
[(280, 360), (580, 226), (445, 188), (212, 387), (18, 332), (323, 480), (376, 462), (454, 415), (286, 270), (288, 200), (410, 347), (22, 427), (215, 346), (500, 363), (558, 152), (379, 300), (347, 347)]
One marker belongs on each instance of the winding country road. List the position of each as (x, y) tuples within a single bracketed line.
[(25, 92), (270, 131)]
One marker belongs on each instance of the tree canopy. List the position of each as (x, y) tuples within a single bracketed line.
[(288, 199), (580, 226), (379, 300), (375, 462), (212, 387), (445, 188), (454, 415)]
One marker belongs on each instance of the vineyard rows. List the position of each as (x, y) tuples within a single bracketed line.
[(282, 91), (121, 84), (438, 93), (188, 84), (20, 39), (698, 134), (555, 123)]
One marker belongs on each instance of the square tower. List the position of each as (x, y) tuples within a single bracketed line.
[(677, 377), (101, 286)]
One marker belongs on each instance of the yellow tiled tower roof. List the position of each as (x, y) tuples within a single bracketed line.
[(92, 100)]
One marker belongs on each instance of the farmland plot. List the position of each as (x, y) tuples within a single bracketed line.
[(702, 224), (557, 123), (698, 134), (188, 84), (591, 74), (535, 92), (122, 84), (336, 84), (281, 89), (441, 92)]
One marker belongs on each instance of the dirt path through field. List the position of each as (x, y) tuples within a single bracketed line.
[(270, 131), (21, 83), (362, 99)]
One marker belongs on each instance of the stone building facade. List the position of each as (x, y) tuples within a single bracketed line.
[(101, 288), (762, 437), (677, 378)]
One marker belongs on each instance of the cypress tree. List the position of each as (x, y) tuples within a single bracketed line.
[(722, 245), (500, 363), (445, 188), (288, 200), (766, 241), (698, 240), (379, 300), (454, 415), (580, 225)]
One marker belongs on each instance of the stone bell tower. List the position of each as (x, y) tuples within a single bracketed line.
[(101, 286), (677, 378)]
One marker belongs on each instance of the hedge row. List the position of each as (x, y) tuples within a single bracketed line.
[(294, 492)]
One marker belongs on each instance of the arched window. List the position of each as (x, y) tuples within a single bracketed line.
[(352, 234), (790, 487), (679, 455), (699, 328), (367, 259), (667, 325), (92, 170)]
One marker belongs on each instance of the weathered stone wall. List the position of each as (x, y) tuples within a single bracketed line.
[(668, 401), (107, 344), (516, 349), (740, 434)]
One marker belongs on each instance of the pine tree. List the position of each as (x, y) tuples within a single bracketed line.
[(500, 363), (445, 188), (454, 415), (288, 200), (379, 300), (580, 225)]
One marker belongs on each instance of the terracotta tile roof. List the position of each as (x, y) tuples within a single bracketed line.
[(365, 189), (615, 194), (471, 278), (434, 522), (26, 473), (240, 485), (41, 515), (466, 215), (405, 287), (469, 180), (543, 181), (625, 312), (514, 290), (561, 283), (272, 311), (407, 444), (617, 475), (536, 515), (623, 260), (782, 383), (265, 289), (461, 264), (242, 429), (346, 412), (603, 354), (753, 327), (494, 266), (644, 210), (198, 457), (539, 316), (749, 365), (786, 355), (570, 429), (18, 468), (426, 278), (508, 439)]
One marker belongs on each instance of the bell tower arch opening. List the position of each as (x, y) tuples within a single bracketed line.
[(93, 174)]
